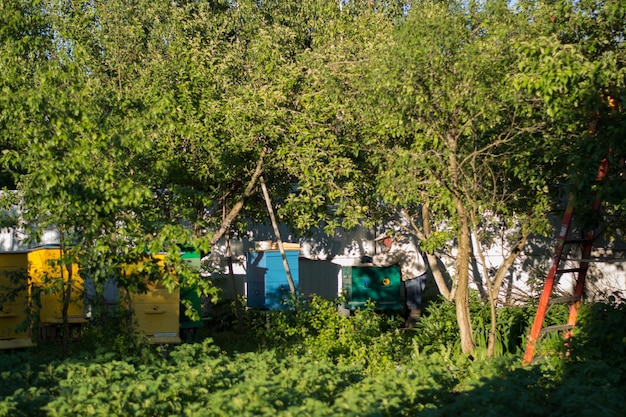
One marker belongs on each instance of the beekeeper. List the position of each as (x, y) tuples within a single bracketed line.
[(400, 250)]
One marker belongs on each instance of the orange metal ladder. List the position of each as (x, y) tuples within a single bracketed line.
[(546, 299)]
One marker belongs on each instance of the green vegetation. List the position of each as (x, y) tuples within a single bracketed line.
[(310, 361), (133, 127)]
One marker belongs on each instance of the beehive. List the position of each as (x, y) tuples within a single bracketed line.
[(380, 285), (14, 301), (189, 293), (266, 279), (156, 312), (50, 278)]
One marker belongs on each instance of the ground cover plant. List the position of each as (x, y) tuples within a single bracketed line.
[(309, 361)]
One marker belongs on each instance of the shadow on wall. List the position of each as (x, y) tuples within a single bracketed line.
[(320, 278), (317, 274), (604, 276)]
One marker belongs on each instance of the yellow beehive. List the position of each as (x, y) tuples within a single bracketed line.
[(14, 301), (157, 312), (46, 273)]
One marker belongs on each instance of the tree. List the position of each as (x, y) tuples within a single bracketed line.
[(573, 80), (25, 39), (143, 125), (150, 119), (243, 96), (451, 124), (444, 123), (324, 149), (79, 142)]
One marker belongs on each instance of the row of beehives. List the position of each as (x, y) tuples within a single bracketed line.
[(157, 313)]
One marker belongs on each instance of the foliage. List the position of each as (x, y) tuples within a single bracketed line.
[(572, 81), (108, 331), (307, 379), (24, 40), (134, 127), (315, 329), (437, 328), (441, 122), (600, 335), (375, 340)]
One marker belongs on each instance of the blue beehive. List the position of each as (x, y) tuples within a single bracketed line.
[(267, 285)]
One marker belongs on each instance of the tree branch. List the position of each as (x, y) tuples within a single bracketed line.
[(227, 221)]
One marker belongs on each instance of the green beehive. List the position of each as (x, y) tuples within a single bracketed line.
[(190, 294), (380, 285)]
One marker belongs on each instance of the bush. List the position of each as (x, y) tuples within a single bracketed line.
[(332, 365), (108, 332), (601, 333), (315, 328), (438, 326)]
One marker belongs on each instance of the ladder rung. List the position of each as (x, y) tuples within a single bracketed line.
[(564, 300), (556, 328), (607, 260), (564, 271), (577, 241)]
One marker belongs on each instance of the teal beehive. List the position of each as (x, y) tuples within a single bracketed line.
[(189, 296), (380, 285)]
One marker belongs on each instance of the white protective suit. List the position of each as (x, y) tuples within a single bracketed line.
[(403, 252)]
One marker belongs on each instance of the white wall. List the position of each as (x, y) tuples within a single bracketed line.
[(320, 254), (12, 240)]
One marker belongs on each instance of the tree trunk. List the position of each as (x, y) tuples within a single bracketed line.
[(497, 283), (493, 287), (66, 295), (492, 296), (233, 282), (442, 286), (128, 307), (270, 210), (433, 263), (461, 297)]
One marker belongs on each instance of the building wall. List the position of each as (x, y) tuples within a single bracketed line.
[(321, 257)]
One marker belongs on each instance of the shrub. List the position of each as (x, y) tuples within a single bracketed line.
[(315, 328), (108, 332), (600, 334), (362, 365)]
